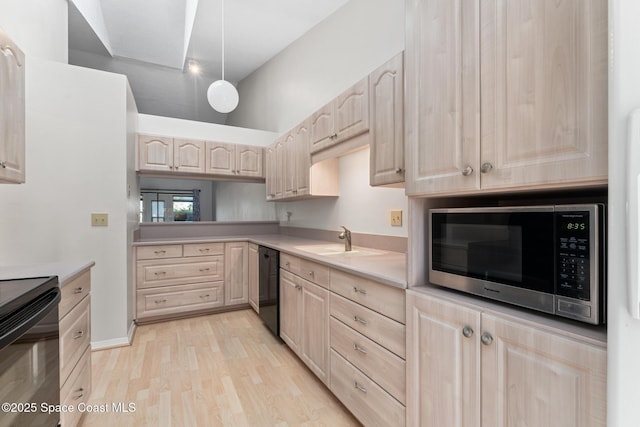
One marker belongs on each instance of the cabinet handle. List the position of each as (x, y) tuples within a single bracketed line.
[(78, 335), (335, 136), (3, 165), (359, 387), (81, 391), (486, 338), (468, 170), (205, 269), (204, 249), (298, 287), (359, 319), (160, 301), (160, 252), (398, 171), (204, 296), (311, 273), (467, 331), (77, 291), (287, 264), (176, 167), (486, 167), (362, 291), (160, 273), (358, 348)]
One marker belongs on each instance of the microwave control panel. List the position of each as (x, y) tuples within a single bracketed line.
[(573, 253)]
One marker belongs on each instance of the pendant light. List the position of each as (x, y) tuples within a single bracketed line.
[(222, 95)]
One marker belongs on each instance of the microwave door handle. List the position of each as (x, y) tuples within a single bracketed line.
[(633, 218)]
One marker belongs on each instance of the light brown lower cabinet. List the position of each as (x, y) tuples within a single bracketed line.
[(254, 265), (469, 366), (75, 345)]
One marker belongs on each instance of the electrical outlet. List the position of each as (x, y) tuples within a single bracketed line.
[(396, 218), (99, 219)]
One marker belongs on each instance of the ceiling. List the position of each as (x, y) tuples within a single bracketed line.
[(168, 34)]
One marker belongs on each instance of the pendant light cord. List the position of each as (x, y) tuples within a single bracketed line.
[(222, 11)]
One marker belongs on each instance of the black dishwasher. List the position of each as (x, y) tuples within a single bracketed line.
[(268, 288)]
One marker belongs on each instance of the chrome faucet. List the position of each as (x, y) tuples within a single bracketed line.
[(346, 236)]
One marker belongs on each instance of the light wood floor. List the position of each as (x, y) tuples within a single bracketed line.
[(218, 370)]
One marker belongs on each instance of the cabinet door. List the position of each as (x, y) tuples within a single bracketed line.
[(155, 153), (253, 276), (442, 117), (249, 161), (188, 156), (279, 174), (12, 111), (289, 172), (290, 328), (314, 348), (236, 284), (270, 171), (322, 134), (303, 158), (544, 92), (220, 159), (351, 112), (386, 86), (443, 378), (535, 378)]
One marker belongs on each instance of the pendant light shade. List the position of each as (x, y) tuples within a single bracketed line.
[(222, 95)]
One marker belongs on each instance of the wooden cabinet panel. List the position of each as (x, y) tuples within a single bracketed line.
[(365, 399), (75, 337), (314, 272), (314, 345), (382, 366), (73, 292), (159, 252), (322, 133), (544, 92), (155, 153), (249, 161), (254, 264), (188, 156), (351, 112), (202, 249), (440, 357), (302, 159), (75, 391), (12, 111), (221, 158), (536, 378), (384, 299), (386, 109), (179, 299), (289, 171), (236, 284), (386, 332), (290, 310), (177, 271)]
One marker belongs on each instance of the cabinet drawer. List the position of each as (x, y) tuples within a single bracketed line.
[(75, 336), (180, 271), (364, 398), (179, 299), (159, 252), (384, 299), (203, 249), (73, 292), (76, 390), (384, 331), (309, 270), (378, 363)]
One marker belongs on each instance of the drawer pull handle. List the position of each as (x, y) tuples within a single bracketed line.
[(311, 273), (160, 273), (359, 319), (81, 391), (77, 291), (358, 348), (357, 289), (298, 287), (78, 335), (160, 252), (204, 296), (160, 301), (359, 387), (204, 249), (287, 264), (205, 269)]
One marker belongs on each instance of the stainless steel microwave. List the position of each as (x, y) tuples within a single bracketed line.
[(546, 258)]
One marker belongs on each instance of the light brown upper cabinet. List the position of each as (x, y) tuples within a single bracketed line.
[(234, 159), (345, 117), (386, 99), (505, 95), (12, 112), (158, 153)]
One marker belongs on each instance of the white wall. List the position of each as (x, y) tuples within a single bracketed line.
[(76, 164), (39, 27), (168, 126), (623, 367), (360, 207), (338, 52), (242, 201)]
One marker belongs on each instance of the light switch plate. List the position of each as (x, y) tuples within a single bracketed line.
[(395, 218), (99, 219)]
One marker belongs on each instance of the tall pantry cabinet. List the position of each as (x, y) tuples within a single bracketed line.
[(504, 94)]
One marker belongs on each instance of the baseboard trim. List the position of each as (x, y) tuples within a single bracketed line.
[(115, 342)]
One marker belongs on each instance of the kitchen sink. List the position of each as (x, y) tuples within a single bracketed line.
[(338, 250)]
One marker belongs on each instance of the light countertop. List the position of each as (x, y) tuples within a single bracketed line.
[(386, 266), (64, 270)]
